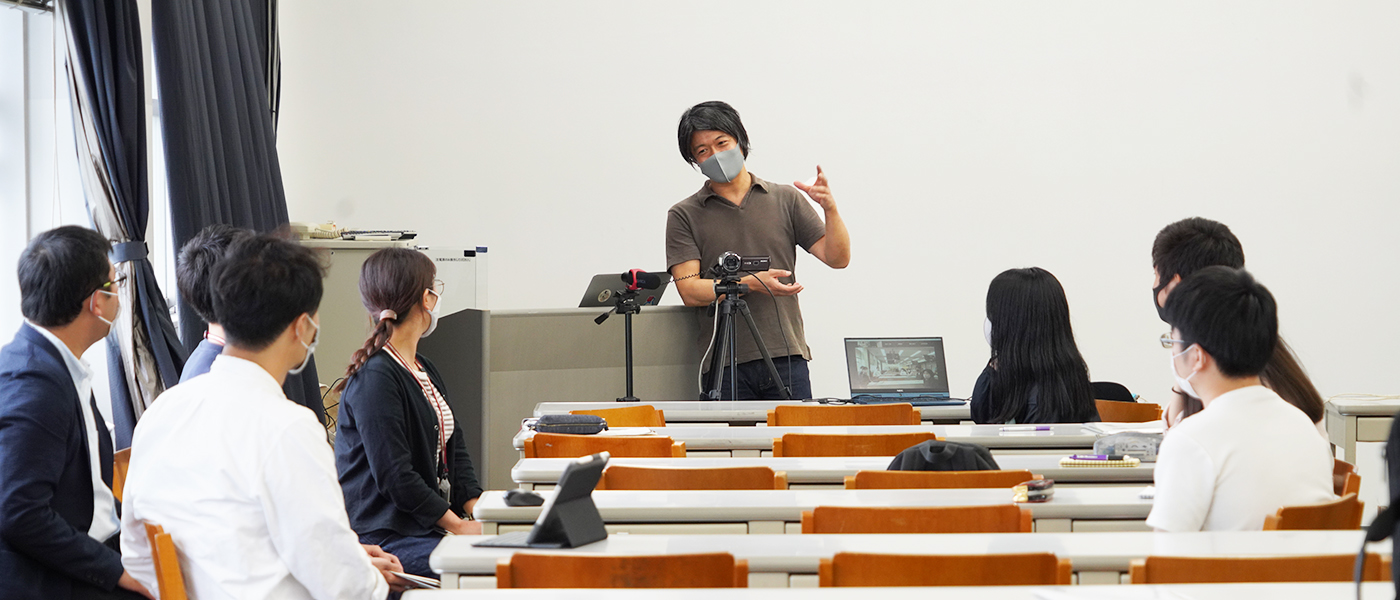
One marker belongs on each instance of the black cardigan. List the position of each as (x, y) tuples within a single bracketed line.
[(985, 405), (386, 451)]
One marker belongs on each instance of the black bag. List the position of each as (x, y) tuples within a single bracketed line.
[(944, 456), (576, 424)]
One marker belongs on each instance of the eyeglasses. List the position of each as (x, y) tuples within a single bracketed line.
[(1167, 341), (438, 286), (117, 282)]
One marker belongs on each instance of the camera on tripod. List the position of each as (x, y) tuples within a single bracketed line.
[(730, 265)]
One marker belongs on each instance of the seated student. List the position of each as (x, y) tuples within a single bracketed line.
[(1036, 374), (238, 475), (1189, 245), (401, 454), (192, 269), (58, 516), (1248, 452)]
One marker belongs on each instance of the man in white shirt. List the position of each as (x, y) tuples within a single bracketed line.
[(239, 476), (1248, 452)]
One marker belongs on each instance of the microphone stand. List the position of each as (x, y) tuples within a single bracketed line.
[(625, 305)]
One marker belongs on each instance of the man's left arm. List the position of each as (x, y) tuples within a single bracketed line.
[(834, 248)]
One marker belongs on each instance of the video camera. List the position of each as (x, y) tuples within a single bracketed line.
[(730, 265)]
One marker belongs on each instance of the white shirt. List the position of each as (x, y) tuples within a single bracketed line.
[(1246, 455), (104, 504), (243, 481)]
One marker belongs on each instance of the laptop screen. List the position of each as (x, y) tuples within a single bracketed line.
[(896, 366)]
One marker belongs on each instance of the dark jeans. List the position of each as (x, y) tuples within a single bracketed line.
[(755, 383), (412, 551)]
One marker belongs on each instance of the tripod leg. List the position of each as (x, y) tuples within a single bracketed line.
[(767, 358), (723, 329), (629, 397)]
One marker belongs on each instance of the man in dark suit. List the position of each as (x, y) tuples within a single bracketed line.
[(58, 516)]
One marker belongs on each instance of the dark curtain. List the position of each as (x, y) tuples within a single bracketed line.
[(218, 68), (105, 38), (212, 61)]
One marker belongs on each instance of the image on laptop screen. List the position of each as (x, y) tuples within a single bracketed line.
[(897, 365)]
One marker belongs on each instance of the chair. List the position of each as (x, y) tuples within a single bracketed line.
[(1343, 513), (834, 444), (1335, 567), (997, 518), (850, 569), (560, 445), (787, 415), (169, 578), (1352, 485), (1113, 411), (619, 477), (628, 416), (533, 570), (121, 462), (1340, 470), (890, 480)]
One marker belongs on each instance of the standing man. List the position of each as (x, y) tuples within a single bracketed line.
[(737, 212), (58, 516)]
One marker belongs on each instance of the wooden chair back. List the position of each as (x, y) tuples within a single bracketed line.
[(1113, 411), (856, 444), (643, 415), (121, 462), (890, 480), (1343, 513), (618, 477), (1351, 485), (560, 445), (1340, 470), (533, 570), (817, 415), (849, 569), (169, 578), (1178, 569), (997, 518)]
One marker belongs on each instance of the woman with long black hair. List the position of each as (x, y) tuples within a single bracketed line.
[(399, 451), (1036, 374)]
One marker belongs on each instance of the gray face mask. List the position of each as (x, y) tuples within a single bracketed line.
[(723, 167)]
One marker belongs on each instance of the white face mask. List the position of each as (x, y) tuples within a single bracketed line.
[(987, 330), (110, 323), (1184, 384), (310, 349), (433, 315)]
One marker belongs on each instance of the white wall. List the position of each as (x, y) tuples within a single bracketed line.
[(962, 139)]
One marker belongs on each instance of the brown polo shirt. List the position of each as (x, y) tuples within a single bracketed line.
[(772, 221)]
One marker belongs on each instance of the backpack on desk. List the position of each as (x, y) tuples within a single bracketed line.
[(944, 456)]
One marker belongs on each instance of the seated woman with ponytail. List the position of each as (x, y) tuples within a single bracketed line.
[(400, 454), (1036, 373)]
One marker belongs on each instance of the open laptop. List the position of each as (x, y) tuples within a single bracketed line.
[(569, 518), (884, 370)]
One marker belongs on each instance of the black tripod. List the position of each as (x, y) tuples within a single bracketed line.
[(729, 288), (626, 305)]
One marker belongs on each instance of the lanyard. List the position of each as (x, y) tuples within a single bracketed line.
[(214, 338), (431, 395)]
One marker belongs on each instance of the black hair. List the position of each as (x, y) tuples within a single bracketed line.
[(196, 262), (261, 286), (711, 116), (58, 270), (1190, 245), (1033, 351), (1229, 315)]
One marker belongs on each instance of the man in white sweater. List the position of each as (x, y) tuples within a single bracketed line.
[(1248, 452)]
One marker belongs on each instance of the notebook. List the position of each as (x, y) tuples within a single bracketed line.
[(912, 370)]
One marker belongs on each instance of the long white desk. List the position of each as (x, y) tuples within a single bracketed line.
[(832, 470), (1218, 591), (780, 511), (1351, 420), (741, 412), (758, 441), (789, 560)]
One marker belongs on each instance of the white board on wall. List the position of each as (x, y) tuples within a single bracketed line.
[(961, 139)]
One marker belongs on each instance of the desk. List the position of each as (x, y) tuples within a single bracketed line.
[(1096, 508), (1350, 421), (832, 470), (758, 441), (790, 560), (741, 412)]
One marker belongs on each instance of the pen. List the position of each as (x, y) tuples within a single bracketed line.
[(1027, 428)]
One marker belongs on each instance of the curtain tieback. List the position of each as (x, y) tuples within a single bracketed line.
[(129, 251)]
